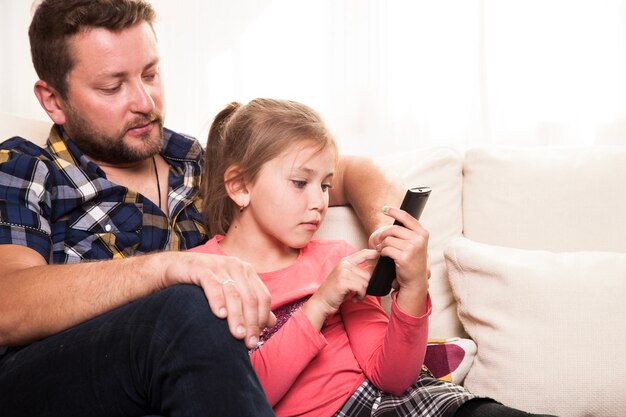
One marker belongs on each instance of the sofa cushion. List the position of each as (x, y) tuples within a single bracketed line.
[(548, 326), (551, 198), (441, 169), (32, 129)]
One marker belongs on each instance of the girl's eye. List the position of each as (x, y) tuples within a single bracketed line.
[(326, 187), (299, 183)]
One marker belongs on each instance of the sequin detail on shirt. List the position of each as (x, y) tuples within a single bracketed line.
[(283, 314)]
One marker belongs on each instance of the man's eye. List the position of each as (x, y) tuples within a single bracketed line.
[(299, 183), (112, 90)]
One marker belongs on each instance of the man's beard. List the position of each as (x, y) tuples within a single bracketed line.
[(113, 149)]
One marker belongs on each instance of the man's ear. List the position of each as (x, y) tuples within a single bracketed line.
[(50, 100), (236, 186)]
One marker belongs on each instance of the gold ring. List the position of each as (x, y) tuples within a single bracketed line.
[(228, 281)]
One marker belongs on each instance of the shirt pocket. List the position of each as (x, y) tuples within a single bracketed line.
[(103, 230)]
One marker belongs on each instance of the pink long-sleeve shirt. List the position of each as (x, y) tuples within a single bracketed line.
[(305, 372)]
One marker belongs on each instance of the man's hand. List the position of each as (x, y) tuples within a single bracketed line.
[(233, 289)]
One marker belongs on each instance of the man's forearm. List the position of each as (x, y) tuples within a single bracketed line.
[(363, 184), (38, 301)]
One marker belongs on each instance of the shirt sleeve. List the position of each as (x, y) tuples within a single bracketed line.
[(24, 200), (280, 360), (389, 350)]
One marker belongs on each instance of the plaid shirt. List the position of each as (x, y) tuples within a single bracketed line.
[(57, 202)]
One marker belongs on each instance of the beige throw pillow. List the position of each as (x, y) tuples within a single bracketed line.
[(549, 326)]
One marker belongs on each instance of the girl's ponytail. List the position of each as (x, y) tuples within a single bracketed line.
[(216, 206)]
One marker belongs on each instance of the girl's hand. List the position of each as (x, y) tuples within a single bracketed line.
[(408, 247), (348, 278)]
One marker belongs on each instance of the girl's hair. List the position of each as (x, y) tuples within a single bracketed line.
[(55, 22), (248, 136)]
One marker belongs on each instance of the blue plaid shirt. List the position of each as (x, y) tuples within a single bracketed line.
[(57, 202)]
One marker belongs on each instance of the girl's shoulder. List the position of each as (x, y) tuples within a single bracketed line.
[(211, 246)]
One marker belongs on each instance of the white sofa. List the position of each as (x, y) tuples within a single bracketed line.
[(528, 259)]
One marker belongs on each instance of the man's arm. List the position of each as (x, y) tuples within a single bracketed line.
[(37, 299), (363, 184)]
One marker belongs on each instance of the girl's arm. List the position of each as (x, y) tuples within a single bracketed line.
[(280, 360), (390, 351), (391, 355)]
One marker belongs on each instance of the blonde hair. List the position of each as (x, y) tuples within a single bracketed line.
[(248, 136)]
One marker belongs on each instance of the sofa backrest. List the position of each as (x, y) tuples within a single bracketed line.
[(550, 198), (32, 129), (556, 199)]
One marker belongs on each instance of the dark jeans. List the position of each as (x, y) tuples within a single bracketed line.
[(488, 408), (165, 354)]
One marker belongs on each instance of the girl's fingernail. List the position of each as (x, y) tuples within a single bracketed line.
[(385, 209), (241, 331), (222, 312)]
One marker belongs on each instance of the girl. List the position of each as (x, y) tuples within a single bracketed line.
[(333, 351)]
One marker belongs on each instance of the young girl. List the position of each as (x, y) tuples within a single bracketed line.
[(333, 351)]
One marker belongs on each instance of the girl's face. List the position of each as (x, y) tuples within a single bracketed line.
[(289, 197)]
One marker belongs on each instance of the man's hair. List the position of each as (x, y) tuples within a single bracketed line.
[(56, 21), (247, 136)]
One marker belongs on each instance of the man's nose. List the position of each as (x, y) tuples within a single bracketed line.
[(142, 101)]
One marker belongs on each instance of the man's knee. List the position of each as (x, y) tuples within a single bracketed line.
[(183, 311), (186, 300)]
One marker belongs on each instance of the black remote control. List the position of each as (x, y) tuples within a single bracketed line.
[(385, 269)]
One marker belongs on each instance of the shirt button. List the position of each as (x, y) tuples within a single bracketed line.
[(108, 227)]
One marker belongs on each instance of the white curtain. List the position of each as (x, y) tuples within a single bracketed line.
[(390, 75)]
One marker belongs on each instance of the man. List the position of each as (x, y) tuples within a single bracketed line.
[(133, 333)]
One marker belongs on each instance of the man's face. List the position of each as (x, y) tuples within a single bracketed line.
[(114, 109)]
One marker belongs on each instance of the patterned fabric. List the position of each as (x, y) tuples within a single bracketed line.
[(427, 397), (283, 314), (450, 359), (57, 202)]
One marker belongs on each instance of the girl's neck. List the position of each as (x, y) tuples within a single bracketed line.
[(261, 251)]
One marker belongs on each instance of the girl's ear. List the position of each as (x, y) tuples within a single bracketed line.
[(236, 187), (50, 101)]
